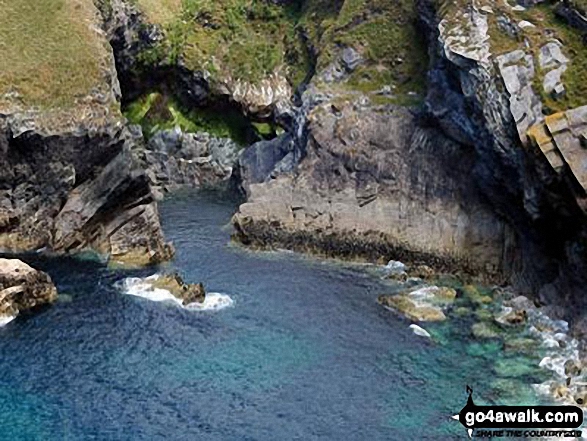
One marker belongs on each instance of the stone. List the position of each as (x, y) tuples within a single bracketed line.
[(520, 303), (422, 272), (559, 390), (395, 270), (23, 288), (513, 318), (174, 159), (351, 59), (522, 345), (419, 331), (188, 293), (526, 25), (258, 162), (413, 311), (573, 368)]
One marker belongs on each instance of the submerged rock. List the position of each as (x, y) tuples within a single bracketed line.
[(412, 310), (484, 330), (187, 292), (23, 287)]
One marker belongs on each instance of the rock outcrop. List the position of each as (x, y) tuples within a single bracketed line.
[(487, 178), (67, 178), (375, 183), (174, 159), (186, 292), (23, 288)]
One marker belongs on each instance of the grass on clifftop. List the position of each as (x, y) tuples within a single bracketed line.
[(548, 26), (49, 55), (249, 39), (245, 39)]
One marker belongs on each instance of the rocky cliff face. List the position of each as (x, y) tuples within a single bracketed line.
[(377, 183), (68, 182), (493, 96), (486, 175)]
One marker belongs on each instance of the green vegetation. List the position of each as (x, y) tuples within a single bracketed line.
[(547, 27), (50, 56), (574, 48), (246, 39), (249, 39), (386, 35), (156, 111)]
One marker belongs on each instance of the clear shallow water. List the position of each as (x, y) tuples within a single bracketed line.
[(306, 353)]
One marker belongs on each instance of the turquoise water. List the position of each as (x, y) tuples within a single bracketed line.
[(305, 353)]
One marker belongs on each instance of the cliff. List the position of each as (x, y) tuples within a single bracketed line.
[(482, 171), (67, 180), (450, 133)]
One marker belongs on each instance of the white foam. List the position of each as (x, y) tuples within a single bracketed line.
[(420, 331), (5, 319), (135, 286), (214, 301)]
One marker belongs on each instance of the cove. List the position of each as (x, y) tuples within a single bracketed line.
[(305, 352)]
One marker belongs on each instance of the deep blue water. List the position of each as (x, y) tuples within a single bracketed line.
[(306, 353)]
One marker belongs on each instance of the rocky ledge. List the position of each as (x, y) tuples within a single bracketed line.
[(22, 288)]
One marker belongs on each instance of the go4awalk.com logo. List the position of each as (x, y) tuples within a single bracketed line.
[(519, 421)]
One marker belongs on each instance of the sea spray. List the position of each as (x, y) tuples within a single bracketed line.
[(143, 287)]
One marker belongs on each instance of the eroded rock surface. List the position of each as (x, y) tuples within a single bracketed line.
[(174, 159), (376, 184), (23, 287), (67, 178)]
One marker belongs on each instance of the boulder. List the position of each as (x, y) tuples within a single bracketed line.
[(422, 272), (411, 309), (573, 368), (187, 292), (23, 287)]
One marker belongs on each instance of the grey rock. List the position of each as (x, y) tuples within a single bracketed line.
[(351, 59), (258, 162), (174, 159)]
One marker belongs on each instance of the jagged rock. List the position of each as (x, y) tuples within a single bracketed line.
[(520, 303), (422, 272), (573, 15), (561, 140), (262, 98), (517, 71), (513, 318), (174, 159), (67, 177), (396, 270), (188, 293), (261, 161), (554, 63), (350, 59), (23, 287), (573, 368)]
